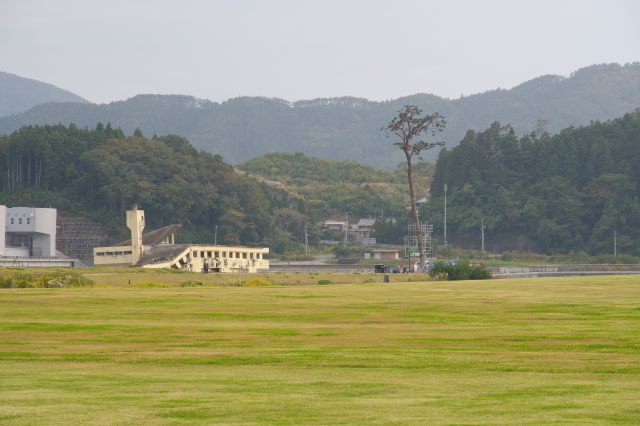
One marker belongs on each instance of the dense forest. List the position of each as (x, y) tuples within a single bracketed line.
[(348, 128), (101, 173), (564, 193)]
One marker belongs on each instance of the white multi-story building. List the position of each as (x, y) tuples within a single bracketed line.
[(27, 232)]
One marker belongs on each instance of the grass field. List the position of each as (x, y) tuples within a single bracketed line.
[(530, 351)]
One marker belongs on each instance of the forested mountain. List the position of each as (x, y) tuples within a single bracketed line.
[(101, 173), (564, 193), (18, 94), (349, 128)]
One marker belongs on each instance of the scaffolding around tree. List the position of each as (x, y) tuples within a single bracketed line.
[(411, 250)]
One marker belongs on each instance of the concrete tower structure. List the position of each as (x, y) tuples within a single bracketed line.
[(135, 222)]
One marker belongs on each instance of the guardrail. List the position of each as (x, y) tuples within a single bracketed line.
[(560, 270), (497, 271), (34, 262)]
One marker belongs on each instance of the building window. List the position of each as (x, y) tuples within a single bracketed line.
[(244, 255), (209, 254), (28, 220), (12, 221), (19, 221), (202, 254)]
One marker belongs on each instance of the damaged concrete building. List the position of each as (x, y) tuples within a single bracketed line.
[(157, 249)]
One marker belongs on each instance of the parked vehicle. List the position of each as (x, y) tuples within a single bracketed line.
[(381, 268)]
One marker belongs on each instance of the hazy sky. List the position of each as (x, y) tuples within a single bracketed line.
[(296, 49)]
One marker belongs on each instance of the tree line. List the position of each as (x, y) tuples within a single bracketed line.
[(100, 173), (554, 194)]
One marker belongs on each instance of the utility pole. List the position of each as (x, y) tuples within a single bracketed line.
[(346, 230), (215, 236), (306, 240), (482, 231), (615, 243), (445, 214)]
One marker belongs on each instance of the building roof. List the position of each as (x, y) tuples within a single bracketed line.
[(366, 222), (153, 238), (162, 253)]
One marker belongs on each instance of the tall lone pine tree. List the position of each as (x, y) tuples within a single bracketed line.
[(409, 125)]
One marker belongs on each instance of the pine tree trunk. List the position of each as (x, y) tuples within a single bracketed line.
[(414, 210)]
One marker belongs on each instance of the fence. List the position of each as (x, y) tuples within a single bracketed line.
[(574, 269)]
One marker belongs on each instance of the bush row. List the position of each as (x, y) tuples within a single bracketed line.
[(56, 279), (462, 271)]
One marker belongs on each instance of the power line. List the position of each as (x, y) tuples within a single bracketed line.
[(482, 227), (306, 240)]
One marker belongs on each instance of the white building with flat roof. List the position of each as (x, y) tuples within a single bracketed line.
[(27, 232)]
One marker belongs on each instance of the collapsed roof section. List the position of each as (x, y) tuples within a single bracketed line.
[(156, 237)]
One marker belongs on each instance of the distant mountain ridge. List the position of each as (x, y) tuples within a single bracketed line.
[(19, 94), (348, 128)]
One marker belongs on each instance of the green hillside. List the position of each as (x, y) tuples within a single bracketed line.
[(101, 173), (292, 168), (564, 193), (334, 188)]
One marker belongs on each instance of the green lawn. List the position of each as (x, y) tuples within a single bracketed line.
[(530, 351)]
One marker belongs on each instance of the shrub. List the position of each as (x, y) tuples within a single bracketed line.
[(440, 276), (191, 284), (55, 279), (258, 282), (324, 282), (293, 257), (347, 261), (54, 283), (340, 251), (462, 271), (507, 255)]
